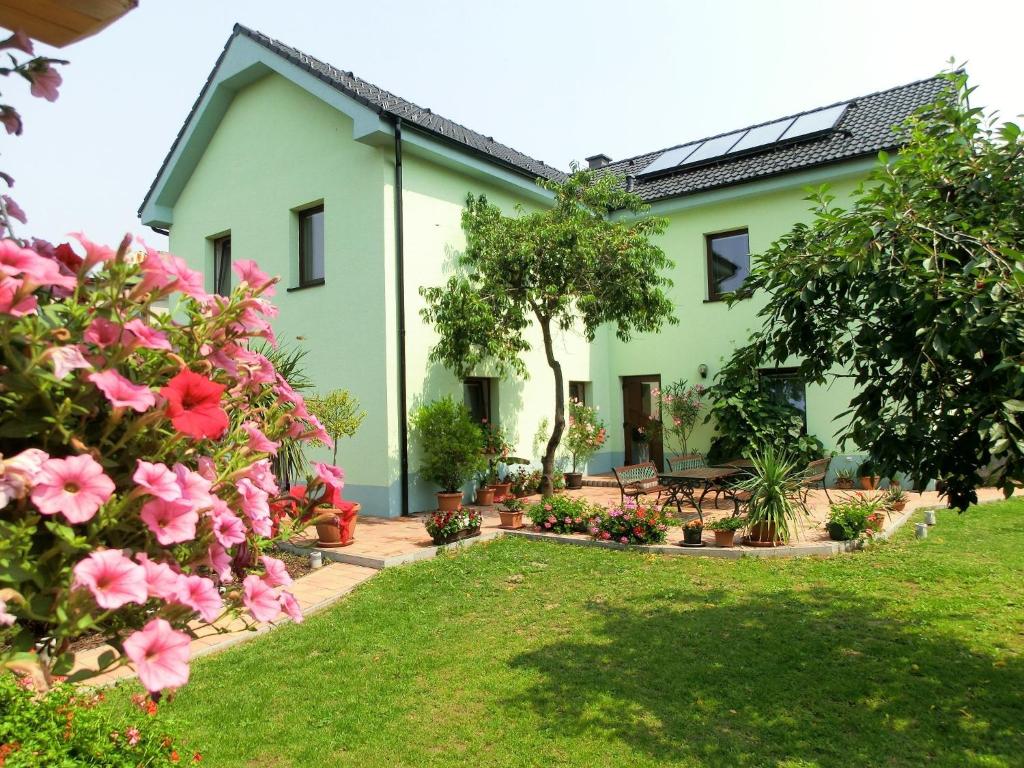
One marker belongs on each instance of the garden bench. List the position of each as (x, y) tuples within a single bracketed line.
[(815, 475), (636, 480), (685, 461)]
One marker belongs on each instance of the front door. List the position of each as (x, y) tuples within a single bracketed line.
[(639, 408)]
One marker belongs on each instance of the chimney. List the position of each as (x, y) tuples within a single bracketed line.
[(598, 161)]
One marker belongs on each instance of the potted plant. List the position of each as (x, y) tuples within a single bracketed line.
[(775, 502), (866, 472), (484, 493), (584, 438), (693, 533), (334, 518), (450, 448), (680, 405), (339, 413), (725, 530), (511, 513), (896, 498), (852, 518), (496, 448), (844, 479), (445, 527)]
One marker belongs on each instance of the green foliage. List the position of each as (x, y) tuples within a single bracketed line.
[(631, 524), (66, 727), (570, 266), (586, 433), (727, 524), (746, 416), (774, 491), (854, 516), (289, 361), (339, 412), (917, 289), (450, 443), (680, 405)]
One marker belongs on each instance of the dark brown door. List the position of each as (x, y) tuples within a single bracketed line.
[(643, 442)]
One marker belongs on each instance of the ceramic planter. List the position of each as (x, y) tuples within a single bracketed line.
[(449, 502), (336, 527), (725, 538), (573, 480), (870, 482), (511, 520), (501, 491), (485, 497)]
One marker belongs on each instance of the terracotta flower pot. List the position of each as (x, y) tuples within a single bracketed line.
[(511, 520), (763, 535), (870, 483), (844, 483), (574, 480), (501, 491), (336, 527), (449, 502), (725, 538), (484, 497), (899, 506)]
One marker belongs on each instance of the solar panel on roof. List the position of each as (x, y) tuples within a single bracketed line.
[(671, 158), (814, 122), (762, 135), (714, 147)]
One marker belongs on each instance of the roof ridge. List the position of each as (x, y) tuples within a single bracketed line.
[(851, 100)]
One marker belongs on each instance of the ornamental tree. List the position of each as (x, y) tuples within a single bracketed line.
[(569, 267), (680, 405), (916, 291), (586, 433), (340, 414)]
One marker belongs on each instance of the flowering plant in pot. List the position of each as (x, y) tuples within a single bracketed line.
[(725, 530), (511, 513), (560, 514), (445, 527), (774, 491), (584, 437), (630, 523), (680, 405), (450, 445), (895, 498), (852, 517), (693, 533)]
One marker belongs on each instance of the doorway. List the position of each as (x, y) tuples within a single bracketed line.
[(639, 410)]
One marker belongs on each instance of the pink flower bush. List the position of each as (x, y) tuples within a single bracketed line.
[(154, 490)]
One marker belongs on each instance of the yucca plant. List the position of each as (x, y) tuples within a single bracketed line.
[(288, 360), (775, 504)]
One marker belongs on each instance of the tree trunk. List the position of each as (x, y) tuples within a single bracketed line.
[(547, 482)]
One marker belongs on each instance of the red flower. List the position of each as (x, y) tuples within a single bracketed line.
[(193, 404)]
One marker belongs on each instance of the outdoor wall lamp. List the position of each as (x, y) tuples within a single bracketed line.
[(702, 370)]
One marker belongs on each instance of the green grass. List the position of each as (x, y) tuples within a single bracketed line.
[(522, 653)]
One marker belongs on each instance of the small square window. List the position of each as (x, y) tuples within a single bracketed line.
[(728, 262), (478, 399), (578, 391), (222, 266), (311, 246)]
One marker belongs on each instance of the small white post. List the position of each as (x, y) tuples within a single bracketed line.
[(316, 559), (921, 530), (929, 517)]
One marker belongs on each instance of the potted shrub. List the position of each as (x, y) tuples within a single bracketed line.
[(584, 438), (866, 472), (844, 479), (445, 527), (725, 530), (693, 533), (511, 513), (896, 498), (484, 493), (775, 501), (853, 517), (495, 448), (450, 448)]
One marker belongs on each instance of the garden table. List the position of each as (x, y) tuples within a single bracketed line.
[(684, 484)]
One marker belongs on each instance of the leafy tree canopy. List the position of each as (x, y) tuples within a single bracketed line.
[(569, 266), (916, 290)]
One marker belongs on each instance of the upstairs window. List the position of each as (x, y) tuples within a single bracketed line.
[(728, 262), (222, 266), (311, 246)]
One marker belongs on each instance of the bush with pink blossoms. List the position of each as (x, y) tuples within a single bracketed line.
[(631, 523), (136, 443)]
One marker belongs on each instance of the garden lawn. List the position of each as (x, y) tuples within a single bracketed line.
[(522, 653)]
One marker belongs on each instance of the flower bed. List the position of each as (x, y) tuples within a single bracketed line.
[(630, 524), (562, 514)]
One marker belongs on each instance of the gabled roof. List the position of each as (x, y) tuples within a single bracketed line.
[(866, 128)]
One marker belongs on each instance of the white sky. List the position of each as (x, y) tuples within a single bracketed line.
[(557, 80)]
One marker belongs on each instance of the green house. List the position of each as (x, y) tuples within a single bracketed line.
[(353, 195)]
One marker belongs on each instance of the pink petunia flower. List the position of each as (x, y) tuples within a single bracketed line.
[(172, 522), (45, 80), (122, 393), (200, 595), (291, 607), (276, 574), (160, 655), (7, 619), (262, 474), (104, 333), (255, 506), (18, 473), (331, 476), (260, 599), (228, 528), (67, 359), (13, 300), (147, 336), (195, 488), (95, 253), (220, 561), (75, 487), (112, 578), (249, 272), (258, 441), (157, 480), (161, 579)]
